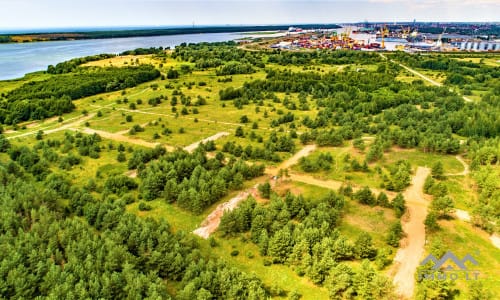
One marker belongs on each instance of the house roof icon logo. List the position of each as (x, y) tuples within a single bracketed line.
[(438, 263)]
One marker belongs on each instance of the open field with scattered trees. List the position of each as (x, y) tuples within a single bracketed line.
[(101, 187)]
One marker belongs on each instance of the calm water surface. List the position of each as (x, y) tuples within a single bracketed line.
[(19, 59)]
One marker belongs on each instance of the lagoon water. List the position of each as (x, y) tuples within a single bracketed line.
[(19, 59)]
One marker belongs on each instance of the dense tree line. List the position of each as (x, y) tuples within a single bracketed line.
[(144, 51), (232, 68), (325, 57), (42, 99), (108, 254), (72, 64), (193, 181), (211, 55)]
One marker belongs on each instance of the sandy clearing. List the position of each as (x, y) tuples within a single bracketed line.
[(409, 255), (214, 137)]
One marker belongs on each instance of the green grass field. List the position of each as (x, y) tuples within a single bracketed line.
[(461, 238)]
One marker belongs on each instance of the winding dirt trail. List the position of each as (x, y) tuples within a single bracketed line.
[(308, 149), (334, 184), (466, 168), (77, 122), (212, 221), (121, 138), (410, 253), (465, 216), (433, 82)]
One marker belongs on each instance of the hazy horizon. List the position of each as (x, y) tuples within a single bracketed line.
[(50, 14), (22, 30)]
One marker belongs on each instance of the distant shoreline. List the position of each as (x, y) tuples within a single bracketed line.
[(124, 33)]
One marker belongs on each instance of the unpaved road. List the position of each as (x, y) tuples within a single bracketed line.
[(464, 215), (308, 149), (214, 137), (78, 122), (327, 184), (212, 221), (334, 184), (466, 168), (409, 255), (121, 138), (495, 239), (433, 82), (145, 112)]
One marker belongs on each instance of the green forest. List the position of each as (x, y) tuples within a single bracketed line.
[(210, 171)]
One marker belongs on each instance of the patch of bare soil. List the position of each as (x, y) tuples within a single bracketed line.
[(212, 221), (131, 174)]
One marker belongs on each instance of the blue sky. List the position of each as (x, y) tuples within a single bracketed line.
[(85, 13)]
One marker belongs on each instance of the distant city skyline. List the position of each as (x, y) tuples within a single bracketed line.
[(21, 14)]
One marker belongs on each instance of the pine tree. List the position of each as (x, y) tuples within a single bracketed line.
[(398, 204), (437, 170), (280, 245), (363, 246)]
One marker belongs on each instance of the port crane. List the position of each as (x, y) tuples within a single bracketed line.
[(383, 32), (439, 42), (405, 32), (346, 38)]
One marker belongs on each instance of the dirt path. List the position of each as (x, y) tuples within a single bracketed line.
[(466, 168), (76, 123), (122, 138), (333, 184), (214, 137), (173, 116), (327, 184), (212, 221), (308, 149), (464, 215), (409, 255), (495, 239), (433, 82)]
